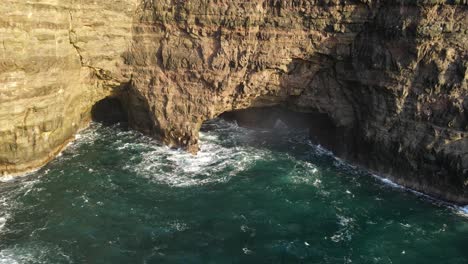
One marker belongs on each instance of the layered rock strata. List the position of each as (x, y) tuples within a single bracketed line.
[(385, 79), (57, 58)]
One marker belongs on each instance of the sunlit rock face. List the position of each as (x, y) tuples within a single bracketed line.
[(57, 57), (385, 79)]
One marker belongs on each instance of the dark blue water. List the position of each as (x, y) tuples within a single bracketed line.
[(250, 196)]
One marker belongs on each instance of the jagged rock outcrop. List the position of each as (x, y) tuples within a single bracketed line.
[(385, 79)]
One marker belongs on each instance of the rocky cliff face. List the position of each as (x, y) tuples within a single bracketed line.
[(57, 58), (386, 80)]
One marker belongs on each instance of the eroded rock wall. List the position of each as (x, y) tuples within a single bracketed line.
[(390, 76), (405, 81), (57, 57), (410, 89), (194, 60)]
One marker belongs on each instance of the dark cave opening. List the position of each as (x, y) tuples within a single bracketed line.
[(109, 111), (322, 129)]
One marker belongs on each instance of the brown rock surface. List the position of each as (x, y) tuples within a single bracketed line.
[(57, 58), (387, 79)]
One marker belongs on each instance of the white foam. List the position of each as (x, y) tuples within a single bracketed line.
[(178, 226), (17, 176), (8, 178), (317, 182), (345, 231), (464, 209), (387, 181), (344, 221), (247, 251), (31, 253), (3, 220), (9, 201), (304, 172), (179, 168), (460, 210)]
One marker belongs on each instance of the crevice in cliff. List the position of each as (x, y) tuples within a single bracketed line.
[(71, 38), (100, 73)]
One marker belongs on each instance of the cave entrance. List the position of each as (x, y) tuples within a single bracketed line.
[(322, 129), (109, 111), (268, 118)]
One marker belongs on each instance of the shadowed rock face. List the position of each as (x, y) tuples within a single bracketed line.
[(386, 78), (109, 111)]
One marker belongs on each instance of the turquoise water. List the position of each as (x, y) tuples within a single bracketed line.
[(250, 196)]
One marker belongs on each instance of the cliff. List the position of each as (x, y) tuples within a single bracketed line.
[(57, 58), (382, 83)]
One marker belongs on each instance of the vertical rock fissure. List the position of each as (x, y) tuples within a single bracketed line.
[(100, 73), (71, 38)]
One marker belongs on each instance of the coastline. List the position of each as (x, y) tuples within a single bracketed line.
[(387, 180), (10, 173)]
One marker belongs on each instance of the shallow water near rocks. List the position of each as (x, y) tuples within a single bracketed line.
[(250, 196)]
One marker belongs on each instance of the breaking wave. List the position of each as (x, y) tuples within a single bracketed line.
[(279, 195), (213, 163)]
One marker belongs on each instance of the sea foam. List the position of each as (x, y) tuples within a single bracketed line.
[(214, 163)]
